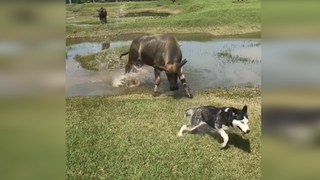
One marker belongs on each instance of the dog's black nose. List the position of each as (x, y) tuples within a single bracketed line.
[(247, 131)]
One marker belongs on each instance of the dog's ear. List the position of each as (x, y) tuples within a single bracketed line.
[(245, 108)]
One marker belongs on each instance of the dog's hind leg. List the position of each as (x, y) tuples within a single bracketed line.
[(225, 137), (189, 129), (195, 120)]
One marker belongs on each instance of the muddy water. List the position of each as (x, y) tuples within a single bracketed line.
[(205, 68), (83, 82)]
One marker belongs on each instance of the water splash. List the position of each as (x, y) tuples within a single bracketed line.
[(133, 79), (119, 17)]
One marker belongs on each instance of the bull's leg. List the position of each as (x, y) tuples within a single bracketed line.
[(156, 82), (128, 67), (137, 65), (184, 83), (133, 58)]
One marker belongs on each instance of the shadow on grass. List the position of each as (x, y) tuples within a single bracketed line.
[(234, 139), (178, 95), (239, 142)]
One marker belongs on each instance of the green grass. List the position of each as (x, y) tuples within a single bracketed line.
[(134, 137), (218, 17)]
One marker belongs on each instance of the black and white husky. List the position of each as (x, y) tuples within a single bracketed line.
[(219, 118)]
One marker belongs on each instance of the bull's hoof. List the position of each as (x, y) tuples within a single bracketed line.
[(187, 90), (156, 94), (190, 96)]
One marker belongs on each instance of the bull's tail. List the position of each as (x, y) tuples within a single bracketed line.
[(124, 54)]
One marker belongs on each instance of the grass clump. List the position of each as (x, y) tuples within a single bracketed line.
[(226, 55), (194, 8), (106, 59)]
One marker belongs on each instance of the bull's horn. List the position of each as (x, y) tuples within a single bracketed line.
[(160, 67), (183, 62)]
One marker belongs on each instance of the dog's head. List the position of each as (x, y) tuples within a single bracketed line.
[(240, 119)]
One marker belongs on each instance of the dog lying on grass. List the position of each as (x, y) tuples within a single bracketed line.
[(219, 118)]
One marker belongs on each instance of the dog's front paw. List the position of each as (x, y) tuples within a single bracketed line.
[(180, 134), (181, 130), (223, 145), (156, 94)]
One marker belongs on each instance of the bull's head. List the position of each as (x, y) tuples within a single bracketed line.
[(172, 71), (102, 9)]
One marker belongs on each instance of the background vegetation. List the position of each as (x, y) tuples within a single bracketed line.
[(217, 17)]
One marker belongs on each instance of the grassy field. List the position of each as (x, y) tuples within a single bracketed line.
[(217, 17), (133, 136)]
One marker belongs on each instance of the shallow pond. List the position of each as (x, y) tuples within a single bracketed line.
[(212, 62)]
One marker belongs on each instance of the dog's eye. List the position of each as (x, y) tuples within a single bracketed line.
[(242, 122)]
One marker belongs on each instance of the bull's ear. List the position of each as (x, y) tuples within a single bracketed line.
[(160, 67), (183, 62)]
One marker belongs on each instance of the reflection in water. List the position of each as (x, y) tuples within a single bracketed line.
[(204, 69), (105, 45)]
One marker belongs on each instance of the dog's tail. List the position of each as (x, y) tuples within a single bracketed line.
[(188, 112), (124, 54)]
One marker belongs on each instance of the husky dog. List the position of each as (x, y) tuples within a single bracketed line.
[(219, 118)]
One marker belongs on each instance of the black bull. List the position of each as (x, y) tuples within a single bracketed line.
[(161, 52), (102, 13)]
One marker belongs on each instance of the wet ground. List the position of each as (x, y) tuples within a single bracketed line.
[(212, 62)]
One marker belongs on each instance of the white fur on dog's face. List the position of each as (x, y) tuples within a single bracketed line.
[(241, 124)]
